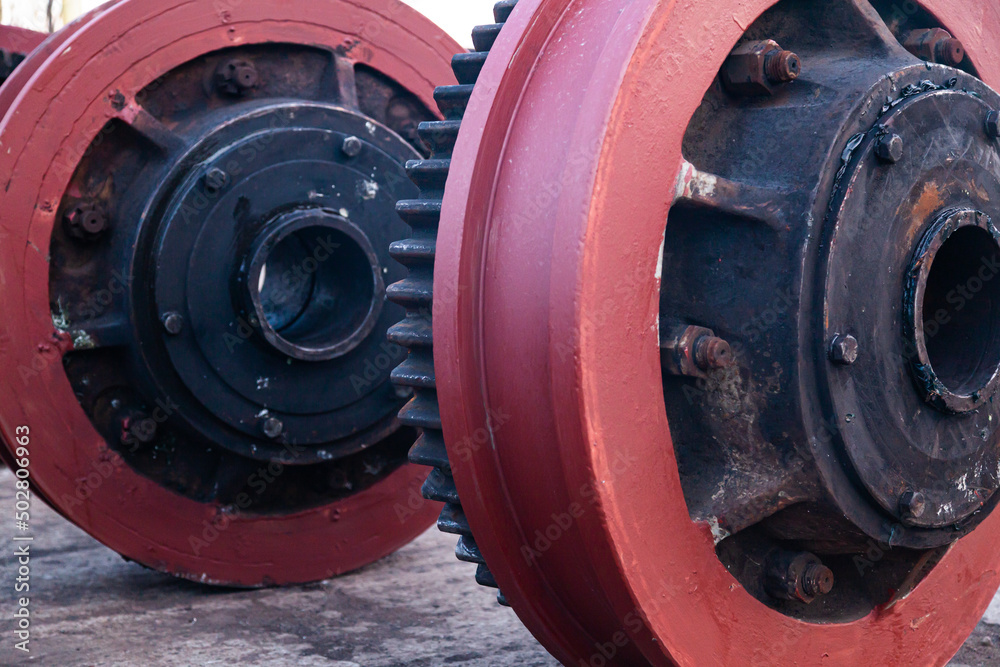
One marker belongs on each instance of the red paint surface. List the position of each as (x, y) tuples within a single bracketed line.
[(60, 100), (545, 323), (20, 40)]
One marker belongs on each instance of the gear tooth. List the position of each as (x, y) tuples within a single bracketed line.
[(485, 578), (452, 520), (440, 487), (414, 292), (440, 136), (467, 66), (502, 10), (417, 371), (414, 331), (452, 100), (422, 411), (415, 250), (429, 174), (484, 36), (468, 551), (429, 450), (420, 213)]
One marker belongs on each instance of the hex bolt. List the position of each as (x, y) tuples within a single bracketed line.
[(844, 350), (352, 146), (138, 428), (912, 505), (236, 77), (754, 69), (86, 221), (215, 180), (935, 45), (712, 353), (889, 148), (272, 427), (173, 323), (993, 125), (799, 576), (817, 580)]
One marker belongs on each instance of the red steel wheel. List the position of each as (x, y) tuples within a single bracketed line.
[(639, 496), (206, 398)]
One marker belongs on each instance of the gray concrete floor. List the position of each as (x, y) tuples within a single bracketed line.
[(417, 607)]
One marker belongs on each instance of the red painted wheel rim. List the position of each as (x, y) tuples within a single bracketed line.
[(548, 369), (124, 46)]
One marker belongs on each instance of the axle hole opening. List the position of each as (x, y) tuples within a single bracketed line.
[(316, 290), (961, 311)]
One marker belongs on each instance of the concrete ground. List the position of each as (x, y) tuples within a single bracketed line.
[(417, 607)]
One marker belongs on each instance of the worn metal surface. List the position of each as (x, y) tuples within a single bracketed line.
[(174, 439), (547, 354)]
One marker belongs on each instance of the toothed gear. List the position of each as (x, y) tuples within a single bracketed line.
[(415, 293)]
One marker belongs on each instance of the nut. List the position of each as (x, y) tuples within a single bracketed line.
[(691, 351), (754, 69), (173, 323), (215, 180), (85, 221), (236, 77), (935, 45), (889, 148), (352, 146), (272, 427), (912, 505), (993, 125), (844, 350), (712, 353)]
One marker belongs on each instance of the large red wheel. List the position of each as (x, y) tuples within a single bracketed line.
[(196, 207), (697, 403)]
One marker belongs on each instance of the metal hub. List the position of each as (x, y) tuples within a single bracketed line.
[(251, 271), (867, 339)]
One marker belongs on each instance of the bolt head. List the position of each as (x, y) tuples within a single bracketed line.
[(352, 146), (272, 427), (235, 77), (844, 350), (912, 505), (173, 323), (890, 148), (215, 180), (817, 580), (993, 125), (85, 221)]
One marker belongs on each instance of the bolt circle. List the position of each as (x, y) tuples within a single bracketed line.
[(173, 323), (890, 148), (352, 146), (844, 350)]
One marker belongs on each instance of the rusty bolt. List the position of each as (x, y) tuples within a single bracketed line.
[(86, 221), (936, 46), (352, 146), (236, 77), (889, 148), (800, 576), (912, 505), (844, 350), (138, 428), (215, 180), (711, 353), (272, 427), (754, 69), (993, 124), (173, 323)]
